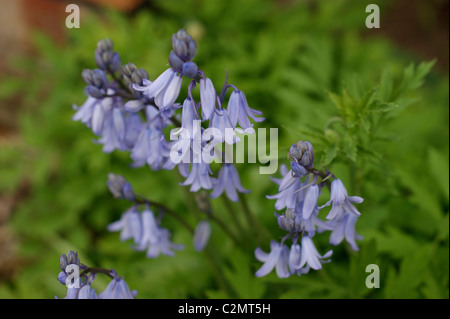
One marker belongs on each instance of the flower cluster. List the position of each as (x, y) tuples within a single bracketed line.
[(131, 113), (75, 276), (298, 195)]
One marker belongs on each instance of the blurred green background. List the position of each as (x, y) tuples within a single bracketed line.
[(302, 63)]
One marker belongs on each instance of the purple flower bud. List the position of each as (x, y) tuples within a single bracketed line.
[(201, 235), (175, 62), (190, 69)]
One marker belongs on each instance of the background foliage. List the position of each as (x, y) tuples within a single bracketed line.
[(376, 117)]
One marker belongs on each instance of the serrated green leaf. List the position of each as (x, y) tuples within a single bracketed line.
[(348, 146)]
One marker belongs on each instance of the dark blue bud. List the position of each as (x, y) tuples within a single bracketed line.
[(128, 69), (175, 62), (299, 171), (114, 64), (128, 192), (190, 69), (184, 46), (104, 45), (63, 262), (87, 76), (99, 79), (94, 92), (72, 258)]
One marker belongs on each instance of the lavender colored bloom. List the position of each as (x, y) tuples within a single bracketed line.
[(84, 292), (189, 116), (207, 98), (341, 201), (129, 225), (240, 112), (345, 229), (152, 149), (313, 223), (133, 126), (229, 182), (113, 133), (310, 203), (201, 235), (278, 258), (294, 261), (310, 256), (199, 177), (164, 90), (117, 289), (289, 194), (221, 121), (154, 239)]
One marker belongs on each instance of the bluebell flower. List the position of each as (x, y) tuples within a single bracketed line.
[(84, 291), (289, 191), (240, 112), (345, 229), (310, 202), (228, 181), (134, 127), (310, 256), (164, 90), (199, 177), (151, 148), (117, 289), (113, 133), (294, 261), (129, 225), (208, 97), (313, 223), (155, 239), (221, 121), (201, 235), (278, 258), (342, 203)]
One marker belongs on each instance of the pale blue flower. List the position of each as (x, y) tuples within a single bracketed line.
[(129, 225), (208, 97), (345, 229), (229, 182), (164, 90), (199, 177), (201, 235), (221, 121), (278, 258), (310, 256), (117, 289), (240, 112), (289, 191), (310, 202), (342, 203), (155, 239)]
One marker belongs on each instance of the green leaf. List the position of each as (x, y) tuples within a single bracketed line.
[(438, 163), (411, 274)]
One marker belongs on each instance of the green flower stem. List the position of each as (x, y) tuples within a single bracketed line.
[(261, 233)]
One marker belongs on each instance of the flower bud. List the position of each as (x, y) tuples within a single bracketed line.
[(175, 62), (63, 262), (184, 46), (72, 258), (190, 69), (303, 153)]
